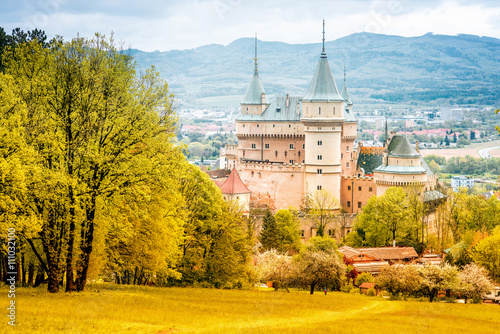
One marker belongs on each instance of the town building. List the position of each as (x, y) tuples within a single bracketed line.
[(461, 181)]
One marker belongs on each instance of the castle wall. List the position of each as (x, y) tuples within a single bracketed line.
[(282, 183), (275, 149), (357, 190)]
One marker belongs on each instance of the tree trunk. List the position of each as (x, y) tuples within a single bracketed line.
[(70, 281), (135, 274), (312, 288), (86, 247), (31, 272), (394, 238)]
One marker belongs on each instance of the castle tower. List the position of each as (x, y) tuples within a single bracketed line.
[(323, 118), (255, 101)]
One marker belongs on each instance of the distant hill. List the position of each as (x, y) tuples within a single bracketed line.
[(461, 69)]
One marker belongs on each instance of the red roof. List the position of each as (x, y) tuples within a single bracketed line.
[(234, 185)]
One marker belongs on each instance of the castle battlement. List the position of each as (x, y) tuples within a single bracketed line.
[(358, 178)]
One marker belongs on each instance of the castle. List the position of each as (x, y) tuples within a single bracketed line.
[(293, 146)]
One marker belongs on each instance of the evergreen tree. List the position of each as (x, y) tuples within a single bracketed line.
[(454, 137), (269, 237), (472, 135), (446, 141)]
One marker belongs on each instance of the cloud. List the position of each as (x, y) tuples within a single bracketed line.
[(164, 25)]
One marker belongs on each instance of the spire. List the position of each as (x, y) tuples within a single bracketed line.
[(255, 93), (345, 93), (255, 58), (323, 51), (323, 86), (386, 133)]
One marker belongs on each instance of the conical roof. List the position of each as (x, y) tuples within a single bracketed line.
[(345, 94), (400, 147), (323, 87), (254, 91), (234, 185)]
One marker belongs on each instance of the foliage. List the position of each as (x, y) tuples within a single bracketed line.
[(487, 254), (371, 292), (323, 204), (364, 277), (86, 129), (319, 264), (437, 278), (269, 236), (399, 279), (275, 267), (217, 246), (288, 231), (474, 282)]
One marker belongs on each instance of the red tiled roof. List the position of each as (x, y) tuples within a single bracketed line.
[(368, 285), (234, 185)]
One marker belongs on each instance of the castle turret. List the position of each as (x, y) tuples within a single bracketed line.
[(323, 117), (255, 100)]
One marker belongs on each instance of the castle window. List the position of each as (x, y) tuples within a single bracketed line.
[(331, 233), (254, 146), (243, 153), (346, 165), (273, 125), (291, 146), (291, 162), (303, 146), (298, 153), (286, 153), (243, 124), (359, 205), (347, 148), (301, 233), (370, 189), (348, 204), (252, 173), (278, 109), (266, 146), (320, 142), (348, 187), (319, 110), (318, 187), (247, 108), (319, 128), (257, 125), (276, 153), (320, 157), (359, 188), (334, 110), (319, 171), (341, 155)]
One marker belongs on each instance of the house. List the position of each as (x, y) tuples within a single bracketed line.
[(234, 189), (363, 288), (458, 182), (372, 260)]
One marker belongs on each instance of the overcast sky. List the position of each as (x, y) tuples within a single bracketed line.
[(165, 25)]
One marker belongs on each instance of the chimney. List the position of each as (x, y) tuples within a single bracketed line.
[(263, 98)]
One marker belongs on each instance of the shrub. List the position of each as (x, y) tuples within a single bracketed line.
[(371, 292), (364, 277)]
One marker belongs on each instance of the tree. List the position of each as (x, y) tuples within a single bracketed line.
[(288, 231), (269, 236), (434, 167), (446, 141), (487, 254), (319, 264), (455, 137), (437, 278), (474, 282), (399, 279), (322, 210), (472, 135), (364, 277), (275, 267), (92, 129), (216, 248)]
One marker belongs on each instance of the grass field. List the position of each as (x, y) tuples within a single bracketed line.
[(119, 309)]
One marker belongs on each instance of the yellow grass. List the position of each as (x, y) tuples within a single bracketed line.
[(118, 309)]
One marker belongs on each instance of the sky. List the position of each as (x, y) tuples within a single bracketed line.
[(151, 25)]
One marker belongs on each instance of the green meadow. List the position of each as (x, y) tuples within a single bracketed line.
[(126, 309)]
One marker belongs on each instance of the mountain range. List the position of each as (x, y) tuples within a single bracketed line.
[(429, 69)]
